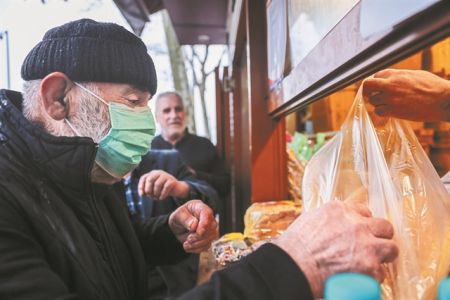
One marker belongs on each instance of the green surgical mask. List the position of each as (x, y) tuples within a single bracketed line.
[(130, 136)]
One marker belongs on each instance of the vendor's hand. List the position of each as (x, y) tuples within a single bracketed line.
[(338, 238), (409, 94), (194, 226), (159, 185)]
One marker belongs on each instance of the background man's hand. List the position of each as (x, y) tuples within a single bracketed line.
[(160, 185), (339, 238), (409, 94), (194, 226)]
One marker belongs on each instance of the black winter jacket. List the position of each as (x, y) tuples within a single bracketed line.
[(62, 237)]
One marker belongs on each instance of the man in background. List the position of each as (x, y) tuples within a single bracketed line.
[(158, 186), (197, 152)]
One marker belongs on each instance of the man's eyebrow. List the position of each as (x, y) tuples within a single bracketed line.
[(140, 89), (129, 89)]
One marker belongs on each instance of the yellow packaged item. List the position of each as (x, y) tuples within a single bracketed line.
[(230, 248), (388, 170)]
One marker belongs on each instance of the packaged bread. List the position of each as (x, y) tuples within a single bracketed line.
[(266, 220)]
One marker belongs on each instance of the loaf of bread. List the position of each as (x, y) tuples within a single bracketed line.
[(266, 220)]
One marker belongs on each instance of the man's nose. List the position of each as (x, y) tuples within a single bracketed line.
[(172, 113)]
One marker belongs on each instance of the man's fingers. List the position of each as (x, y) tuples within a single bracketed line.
[(383, 110), (211, 234), (158, 186), (198, 244), (206, 220), (379, 274), (145, 184), (361, 209), (168, 186), (203, 213), (195, 218), (187, 221), (195, 243), (381, 228), (385, 73), (141, 185), (387, 251), (148, 186), (378, 98), (373, 86), (190, 249)]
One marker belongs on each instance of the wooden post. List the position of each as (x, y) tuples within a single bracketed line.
[(267, 136)]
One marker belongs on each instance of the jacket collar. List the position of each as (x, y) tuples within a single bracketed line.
[(66, 161)]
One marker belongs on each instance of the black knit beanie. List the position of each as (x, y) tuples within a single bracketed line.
[(86, 50)]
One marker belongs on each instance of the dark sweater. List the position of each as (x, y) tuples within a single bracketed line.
[(201, 155)]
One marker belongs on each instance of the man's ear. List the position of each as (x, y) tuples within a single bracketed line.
[(52, 91)]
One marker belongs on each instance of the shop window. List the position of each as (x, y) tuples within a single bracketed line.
[(325, 116)]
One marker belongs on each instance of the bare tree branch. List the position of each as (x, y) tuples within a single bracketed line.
[(191, 61), (206, 55), (195, 54), (197, 60)]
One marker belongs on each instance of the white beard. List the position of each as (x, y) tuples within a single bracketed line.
[(93, 120)]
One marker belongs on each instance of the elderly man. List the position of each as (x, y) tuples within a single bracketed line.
[(197, 152), (82, 124)]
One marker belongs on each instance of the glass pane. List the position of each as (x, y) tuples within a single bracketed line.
[(310, 21), (276, 40)]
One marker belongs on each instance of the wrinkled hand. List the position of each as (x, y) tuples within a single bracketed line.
[(194, 226), (160, 185), (409, 94), (339, 238)]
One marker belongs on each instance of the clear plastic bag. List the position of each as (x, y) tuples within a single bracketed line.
[(388, 170)]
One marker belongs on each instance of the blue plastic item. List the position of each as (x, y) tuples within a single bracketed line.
[(352, 286), (444, 289)]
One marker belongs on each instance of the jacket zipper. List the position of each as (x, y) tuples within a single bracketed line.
[(105, 243)]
